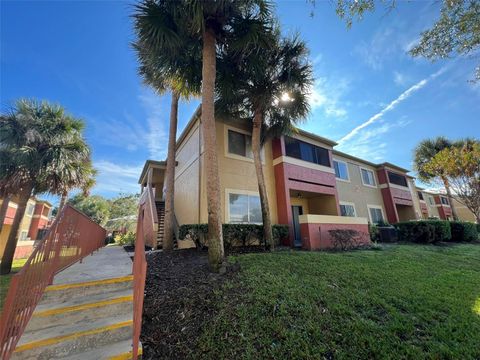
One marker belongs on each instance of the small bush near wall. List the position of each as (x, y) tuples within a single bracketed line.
[(346, 239), (125, 239), (424, 231), (373, 231), (463, 231), (233, 234)]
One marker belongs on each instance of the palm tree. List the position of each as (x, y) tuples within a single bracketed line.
[(80, 175), (37, 138), (269, 88), (215, 24), (165, 71), (423, 153)]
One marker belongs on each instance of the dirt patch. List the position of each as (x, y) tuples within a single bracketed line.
[(179, 298)]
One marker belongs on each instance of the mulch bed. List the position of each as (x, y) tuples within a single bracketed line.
[(179, 299)]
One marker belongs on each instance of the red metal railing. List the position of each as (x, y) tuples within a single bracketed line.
[(139, 272), (71, 237)]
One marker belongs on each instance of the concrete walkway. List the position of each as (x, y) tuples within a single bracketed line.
[(87, 313), (109, 262)]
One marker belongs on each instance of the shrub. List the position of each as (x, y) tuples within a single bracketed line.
[(233, 234), (345, 239), (373, 231), (463, 231), (125, 239), (424, 231)]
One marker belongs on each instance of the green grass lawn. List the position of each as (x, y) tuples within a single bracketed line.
[(5, 279), (405, 301)]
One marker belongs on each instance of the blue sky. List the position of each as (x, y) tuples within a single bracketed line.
[(369, 93)]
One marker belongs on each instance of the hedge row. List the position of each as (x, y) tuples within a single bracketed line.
[(432, 231), (233, 234)]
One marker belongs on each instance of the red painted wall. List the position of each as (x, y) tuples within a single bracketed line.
[(10, 215), (23, 251), (316, 236)]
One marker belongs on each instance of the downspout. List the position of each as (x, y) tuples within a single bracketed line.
[(199, 168)]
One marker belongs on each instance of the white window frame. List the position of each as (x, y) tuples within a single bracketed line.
[(446, 199), (350, 204), (346, 166), (236, 156), (375, 207), (373, 174), (21, 235), (237, 192), (28, 207), (431, 200)]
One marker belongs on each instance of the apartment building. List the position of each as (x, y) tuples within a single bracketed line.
[(311, 186), (32, 227)]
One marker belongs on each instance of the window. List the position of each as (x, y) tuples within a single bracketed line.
[(240, 144), (444, 200), (420, 195), (244, 209), (30, 209), (367, 177), (376, 214), (341, 170), (306, 151), (23, 236), (347, 210), (431, 200), (397, 179)]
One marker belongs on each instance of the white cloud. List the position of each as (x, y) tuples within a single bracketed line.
[(325, 97), (399, 78), (403, 96), (116, 178), (135, 134), (380, 47)]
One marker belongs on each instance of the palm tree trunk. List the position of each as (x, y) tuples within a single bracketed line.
[(449, 196), (63, 201), (262, 189), (7, 257), (215, 236), (3, 209), (170, 176)]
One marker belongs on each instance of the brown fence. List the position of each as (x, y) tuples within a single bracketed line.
[(71, 237), (139, 273)]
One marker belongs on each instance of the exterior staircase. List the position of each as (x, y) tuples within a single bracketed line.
[(90, 319), (160, 205)]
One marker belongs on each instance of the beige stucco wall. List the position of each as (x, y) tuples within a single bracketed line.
[(187, 178), (462, 212), (238, 173), (355, 192)]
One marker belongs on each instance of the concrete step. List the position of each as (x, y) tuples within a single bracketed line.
[(121, 350), (81, 310), (65, 292), (74, 338)]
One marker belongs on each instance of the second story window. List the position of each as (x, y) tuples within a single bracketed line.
[(347, 210), (240, 144), (341, 170), (444, 200), (397, 179), (367, 177), (30, 209), (431, 200), (420, 195), (307, 152)]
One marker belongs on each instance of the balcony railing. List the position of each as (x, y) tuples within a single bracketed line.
[(71, 237)]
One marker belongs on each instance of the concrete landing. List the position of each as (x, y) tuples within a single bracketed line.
[(109, 262)]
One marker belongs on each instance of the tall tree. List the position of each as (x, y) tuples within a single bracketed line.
[(216, 24), (461, 165), (423, 154), (95, 207), (36, 138), (178, 73), (268, 87)]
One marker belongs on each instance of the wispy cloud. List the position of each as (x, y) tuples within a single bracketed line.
[(399, 78), (115, 178), (378, 49), (132, 133), (392, 105), (325, 97), (370, 144)]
